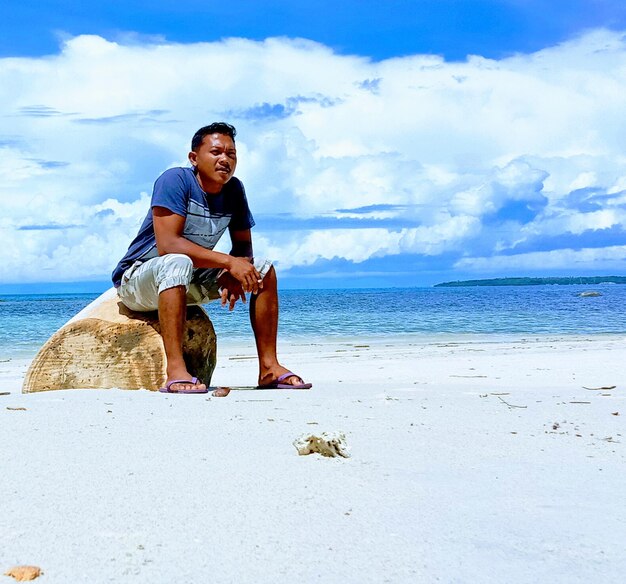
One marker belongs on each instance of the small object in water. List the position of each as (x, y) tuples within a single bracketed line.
[(327, 444), (589, 294), (24, 573)]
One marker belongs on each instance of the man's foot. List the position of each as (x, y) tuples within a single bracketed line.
[(193, 385), (282, 378)]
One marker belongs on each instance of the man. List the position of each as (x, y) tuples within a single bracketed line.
[(171, 262)]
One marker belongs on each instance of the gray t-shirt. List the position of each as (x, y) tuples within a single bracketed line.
[(206, 215)]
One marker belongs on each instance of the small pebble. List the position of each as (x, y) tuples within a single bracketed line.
[(24, 573)]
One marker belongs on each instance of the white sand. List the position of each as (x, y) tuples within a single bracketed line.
[(447, 483)]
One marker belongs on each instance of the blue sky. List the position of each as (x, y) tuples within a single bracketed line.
[(381, 143), (452, 28)]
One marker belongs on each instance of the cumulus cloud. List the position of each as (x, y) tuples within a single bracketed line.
[(491, 162), (609, 258)]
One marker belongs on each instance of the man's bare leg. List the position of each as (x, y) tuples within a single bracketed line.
[(172, 315), (264, 319)]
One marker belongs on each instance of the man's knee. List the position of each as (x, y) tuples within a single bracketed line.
[(175, 269), (177, 261), (265, 269), (269, 279)]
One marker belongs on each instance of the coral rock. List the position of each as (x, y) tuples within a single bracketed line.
[(326, 444), (24, 573)]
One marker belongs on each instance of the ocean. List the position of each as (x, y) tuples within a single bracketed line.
[(27, 321)]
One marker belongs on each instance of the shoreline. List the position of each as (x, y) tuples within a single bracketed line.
[(11, 366), (441, 347)]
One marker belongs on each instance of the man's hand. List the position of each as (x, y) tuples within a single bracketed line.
[(230, 290), (244, 272)]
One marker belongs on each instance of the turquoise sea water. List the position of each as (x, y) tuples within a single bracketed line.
[(26, 321)]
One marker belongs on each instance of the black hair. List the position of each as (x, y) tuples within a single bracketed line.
[(214, 128)]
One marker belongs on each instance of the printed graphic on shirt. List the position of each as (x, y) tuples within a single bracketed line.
[(203, 228), (206, 215)]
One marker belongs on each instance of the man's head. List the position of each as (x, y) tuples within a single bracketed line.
[(213, 155), (214, 128)]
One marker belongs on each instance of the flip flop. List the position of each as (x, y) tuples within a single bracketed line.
[(276, 384), (193, 381)]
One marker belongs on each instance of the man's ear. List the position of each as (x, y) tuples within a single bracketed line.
[(193, 158)]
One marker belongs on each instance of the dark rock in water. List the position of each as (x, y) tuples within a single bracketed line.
[(589, 293)]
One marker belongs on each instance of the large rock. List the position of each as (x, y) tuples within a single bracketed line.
[(107, 345)]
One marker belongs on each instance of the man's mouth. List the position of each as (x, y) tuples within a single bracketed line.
[(224, 169)]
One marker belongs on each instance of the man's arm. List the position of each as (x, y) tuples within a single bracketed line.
[(168, 231), (230, 289), (241, 243)]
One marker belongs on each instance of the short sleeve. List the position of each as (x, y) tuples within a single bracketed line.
[(171, 191), (242, 217)]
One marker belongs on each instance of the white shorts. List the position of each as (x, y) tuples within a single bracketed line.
[(144, 281)]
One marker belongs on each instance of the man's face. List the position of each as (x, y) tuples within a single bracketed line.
[(215, 161)]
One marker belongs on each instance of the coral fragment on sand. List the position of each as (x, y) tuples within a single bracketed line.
[(24, 573), (327, 444)]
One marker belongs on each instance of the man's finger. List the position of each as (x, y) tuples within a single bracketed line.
[(224, 295), (233, 301)]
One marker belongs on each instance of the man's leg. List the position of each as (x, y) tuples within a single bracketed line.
[(160, 284), (172, 315), (264, 319)]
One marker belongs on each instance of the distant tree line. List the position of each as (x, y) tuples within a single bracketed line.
[(586, 280)]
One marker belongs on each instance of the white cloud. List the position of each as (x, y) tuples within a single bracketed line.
[(358, 245), (607, 258), (447, 146)]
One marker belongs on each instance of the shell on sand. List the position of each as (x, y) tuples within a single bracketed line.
[(24, 573), (107, 345)]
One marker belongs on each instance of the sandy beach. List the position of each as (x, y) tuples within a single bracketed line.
[(473, 460)]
